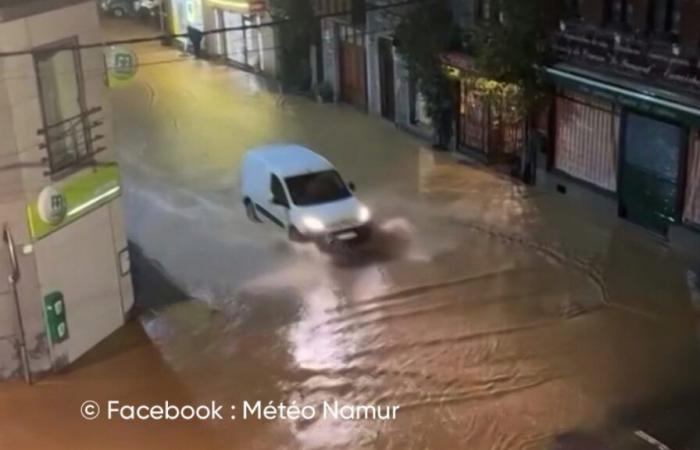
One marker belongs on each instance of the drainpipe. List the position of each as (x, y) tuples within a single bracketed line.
[(14, 279)]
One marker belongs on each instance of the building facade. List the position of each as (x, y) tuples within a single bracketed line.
[(626, 114), (65, 281), (253, 48), (362, 64)]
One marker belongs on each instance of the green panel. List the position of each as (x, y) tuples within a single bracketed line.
[(55, 314), (648, 191), (83, 192), (648, 200)]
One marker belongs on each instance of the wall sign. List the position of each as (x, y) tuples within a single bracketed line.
[(51, 205), (629, 56)]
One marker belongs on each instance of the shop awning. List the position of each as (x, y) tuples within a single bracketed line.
[(242, 6), (633, 94)]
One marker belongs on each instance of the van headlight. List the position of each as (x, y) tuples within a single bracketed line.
[(313, 224), (364, 214)]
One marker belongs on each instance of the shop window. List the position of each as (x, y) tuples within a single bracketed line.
[(573, 8), (663, 17), (618, 12), (488, 10)]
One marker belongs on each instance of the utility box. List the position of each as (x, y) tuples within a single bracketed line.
[(55, 313)]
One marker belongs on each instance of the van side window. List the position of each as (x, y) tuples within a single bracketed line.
[(277, 190)]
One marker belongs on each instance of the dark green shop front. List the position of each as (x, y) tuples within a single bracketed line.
[(650, 190), (653, 141)]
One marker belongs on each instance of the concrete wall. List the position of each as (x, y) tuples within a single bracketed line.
[(22, 172), (91, 283)]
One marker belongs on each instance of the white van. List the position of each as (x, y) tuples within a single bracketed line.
[(300, 192)]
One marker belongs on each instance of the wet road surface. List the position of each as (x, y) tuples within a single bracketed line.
[(493, 316)]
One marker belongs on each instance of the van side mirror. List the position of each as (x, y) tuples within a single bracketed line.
[(351, 186)]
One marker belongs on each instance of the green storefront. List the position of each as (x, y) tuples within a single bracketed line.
[(653, 129)]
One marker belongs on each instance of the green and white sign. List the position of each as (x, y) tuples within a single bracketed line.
[(60, 204)]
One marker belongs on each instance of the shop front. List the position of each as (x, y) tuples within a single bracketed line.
[(638, 145), (184, 14), (243, 42)]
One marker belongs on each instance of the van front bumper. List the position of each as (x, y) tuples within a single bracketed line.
[(346, 236)]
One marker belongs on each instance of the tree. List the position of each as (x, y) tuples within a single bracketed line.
[(294, 39), (424, 33), (512, 46)]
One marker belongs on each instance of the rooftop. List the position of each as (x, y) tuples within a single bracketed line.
[(290, 159)]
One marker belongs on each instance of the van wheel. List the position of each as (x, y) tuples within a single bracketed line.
[(118, 12), (250, 211)]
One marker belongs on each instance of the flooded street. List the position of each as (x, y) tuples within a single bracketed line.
[(494, 316)]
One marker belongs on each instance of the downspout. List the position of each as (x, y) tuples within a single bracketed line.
[(14, 279)]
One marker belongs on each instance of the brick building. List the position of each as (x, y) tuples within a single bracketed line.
[(625, 118)]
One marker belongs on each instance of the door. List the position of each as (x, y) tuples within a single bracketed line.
[(650, 172), (473, 117), (386, 77), (235, 39), (275, 208), (352, 66)]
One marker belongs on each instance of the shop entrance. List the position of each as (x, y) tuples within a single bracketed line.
[(650, 193)]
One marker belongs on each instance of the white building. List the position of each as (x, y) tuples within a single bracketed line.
[(69, 258)]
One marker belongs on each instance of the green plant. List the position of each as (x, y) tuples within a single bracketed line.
[(513, 48), (423, 35), (294, 40)]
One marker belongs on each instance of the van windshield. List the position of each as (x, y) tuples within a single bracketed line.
[(315, 188)]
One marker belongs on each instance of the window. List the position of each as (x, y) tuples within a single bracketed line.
[(618, 12), (66, 127), (316, 188), (663, 18), (278, 195), (573, 8), (488, 10)]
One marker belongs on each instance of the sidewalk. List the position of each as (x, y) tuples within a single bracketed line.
[(618, 255), (125, 367)]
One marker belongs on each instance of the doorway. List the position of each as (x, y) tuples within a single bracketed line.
[(386, 77), (650, 173)]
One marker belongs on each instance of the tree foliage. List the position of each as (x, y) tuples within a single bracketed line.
[(512, 46), (294, 39), (424, 33)]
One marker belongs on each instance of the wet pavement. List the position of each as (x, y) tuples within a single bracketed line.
[(495, 316)]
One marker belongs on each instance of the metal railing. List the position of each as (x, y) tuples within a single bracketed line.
[(13, 278)]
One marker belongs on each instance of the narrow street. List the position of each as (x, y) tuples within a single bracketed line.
[(497, 317)]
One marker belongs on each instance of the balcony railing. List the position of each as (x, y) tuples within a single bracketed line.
[(71, 144)]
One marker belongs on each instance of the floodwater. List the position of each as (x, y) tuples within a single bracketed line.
[(495, 317)]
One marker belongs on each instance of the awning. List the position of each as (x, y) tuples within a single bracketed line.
[(629, 93), (241, 6)]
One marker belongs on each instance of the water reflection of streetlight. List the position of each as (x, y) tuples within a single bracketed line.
[(315, 344)]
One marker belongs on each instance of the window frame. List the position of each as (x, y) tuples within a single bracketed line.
[(274, 178), (71, 43)]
